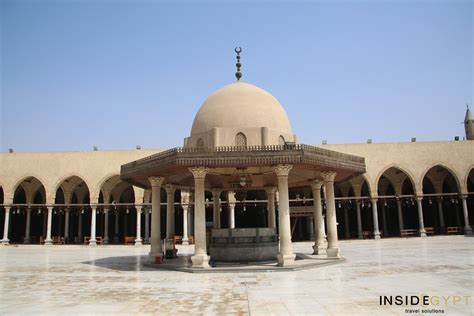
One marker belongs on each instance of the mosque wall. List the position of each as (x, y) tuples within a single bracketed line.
[(94, 167)]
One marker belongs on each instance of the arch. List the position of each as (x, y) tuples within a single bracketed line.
[(102, 181), (200, 143), (29, 179), (359, 182), (448, 169), (60, 181), (281, 140), (399, 168), (240, 140), (26, 177), (466, 177)]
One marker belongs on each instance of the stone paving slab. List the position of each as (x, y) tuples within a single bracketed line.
[(113, 280)]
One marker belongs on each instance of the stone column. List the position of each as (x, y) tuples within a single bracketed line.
[(375, 217), (185, 224), (138, 240), (467, 227), (458, 218), (331, 221), (106, 226), (286, 256), (66, 225), (79, 226), (231, 204), (346, 222), (147, 225), (319, 246), (441, 215), (27, 239), (48, 241), (170, 211), (359, 221), (92, 240), (156, 248), (216, 208), (271, 206), (116, 228), (311, 227), (6, 225), (190, 221), (400, 215), (200, 258), (231, 215), (384, 220), (422, 230)]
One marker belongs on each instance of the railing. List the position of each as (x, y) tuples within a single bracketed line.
[(246, 149)]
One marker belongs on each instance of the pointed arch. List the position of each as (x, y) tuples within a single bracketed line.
[(401, 169), (448, 169), (240, 140)]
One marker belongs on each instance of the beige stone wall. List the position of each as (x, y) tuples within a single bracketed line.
[(415, 159), (52, 168), (95, 167)]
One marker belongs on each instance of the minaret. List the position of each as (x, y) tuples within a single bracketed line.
[(469, 124)]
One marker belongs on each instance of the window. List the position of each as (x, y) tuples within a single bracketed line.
[(240, 140), (281, 140), (200, 143)]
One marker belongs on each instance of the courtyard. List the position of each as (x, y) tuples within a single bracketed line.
[(80, 280)]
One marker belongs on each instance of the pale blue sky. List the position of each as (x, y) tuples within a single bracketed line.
[(116, 74)]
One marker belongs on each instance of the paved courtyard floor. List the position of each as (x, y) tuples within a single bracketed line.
[(79, 280)]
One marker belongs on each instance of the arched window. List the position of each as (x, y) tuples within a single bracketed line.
[(281, 140), (200, 143), (240, 140)]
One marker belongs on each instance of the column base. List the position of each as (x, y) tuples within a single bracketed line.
[(27, 240), (5, 242), (156, 257), (360, 236), (333, 252), (422, 233), (138, 242), (467, 230), (92, 243), (319, 249), (376, 235), (185, 242), (286, 259), (106, 241), (200, 261), (116, 239), (48, 242)]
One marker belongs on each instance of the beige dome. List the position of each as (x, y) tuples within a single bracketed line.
[(241, 105)]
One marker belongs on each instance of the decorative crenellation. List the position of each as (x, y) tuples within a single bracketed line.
[(199, 172), (328, 176), (282, 170), (316, 185), (156, 181)]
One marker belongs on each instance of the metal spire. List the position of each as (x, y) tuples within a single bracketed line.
[(238, 74)]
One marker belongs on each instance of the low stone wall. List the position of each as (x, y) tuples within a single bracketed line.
[(243, 244)]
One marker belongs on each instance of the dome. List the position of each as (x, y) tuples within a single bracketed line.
[(241, 105)]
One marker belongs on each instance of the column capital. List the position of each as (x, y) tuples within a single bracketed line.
[(328, 176), (170, 189), (216, 192), (316, 184), (374, 199), (139, 210), (106, 210), (419, 198), (270, 190), (199, 172), (463, 196), (156, 181), (185, 207), (282, 170)]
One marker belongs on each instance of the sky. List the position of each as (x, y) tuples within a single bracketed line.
[(116, 74)]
